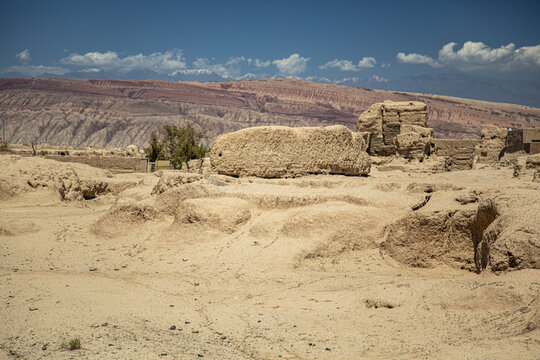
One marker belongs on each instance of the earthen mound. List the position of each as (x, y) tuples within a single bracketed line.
[(126, 215), (511, 239), (272, 152), (432, 238), (17, 227), (172, 179), (9, 189), (502, 233), (168, 201), (69, 181), (222, 214)]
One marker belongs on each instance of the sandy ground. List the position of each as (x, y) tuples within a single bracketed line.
[(250, 269)]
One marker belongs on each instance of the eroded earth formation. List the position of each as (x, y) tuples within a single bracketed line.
[(290, 257)]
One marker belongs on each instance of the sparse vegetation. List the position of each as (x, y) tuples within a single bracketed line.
[(43, 152), (178, 144), (155, 149), (4, 147), (74, 344)]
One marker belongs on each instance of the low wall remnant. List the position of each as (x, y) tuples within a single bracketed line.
[(279, 151)]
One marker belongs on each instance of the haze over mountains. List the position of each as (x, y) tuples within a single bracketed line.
[(116, 113)]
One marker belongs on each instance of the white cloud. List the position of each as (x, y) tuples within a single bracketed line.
[(37, 70), (385, 65), (110, 61), (293, 65), (91, 70), (353, 80), (318, 79), (347, 65), (236, 60), (343, 65), (474, 54), (24, 56), (528, 56), (378, 78), (231, 69), (250, 76), (367, 62), (191, 72), (416, 59), (477, 55), (262, 64)]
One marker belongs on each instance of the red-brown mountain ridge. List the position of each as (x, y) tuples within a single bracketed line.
[(117, 113)]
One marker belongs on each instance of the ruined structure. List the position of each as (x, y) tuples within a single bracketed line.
[(527, 140), (458, 154), (397, 127), (278, 151), (492, 144), (401, 128)]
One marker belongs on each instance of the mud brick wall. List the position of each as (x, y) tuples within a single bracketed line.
[(514, 141), (458, 154), (116, 164)]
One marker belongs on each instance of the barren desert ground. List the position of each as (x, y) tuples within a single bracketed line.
[(182, 266)]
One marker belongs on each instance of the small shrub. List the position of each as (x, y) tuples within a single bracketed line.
[(4, 147), (43, 152), (74, 344)]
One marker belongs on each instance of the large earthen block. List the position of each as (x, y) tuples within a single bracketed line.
[(414, 142), (362, 139), (404, 105), (414, 118), (278, 151), (391, 131), (492, 144), (384, 122), (371, 120), (390, 115)]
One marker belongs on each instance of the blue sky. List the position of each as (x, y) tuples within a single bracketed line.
[(348, 42)]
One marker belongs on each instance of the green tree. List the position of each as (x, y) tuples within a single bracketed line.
[(155, 149), (183, 144)]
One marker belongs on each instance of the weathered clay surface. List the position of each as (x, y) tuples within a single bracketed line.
[(492, 144), (458, 154), (414, 142), (384, 121), (511, 233), (427, 239), (69, 181), (271, 152)]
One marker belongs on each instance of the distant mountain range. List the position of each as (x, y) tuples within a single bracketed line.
[(117, 113), (466, 86), (463, 85)]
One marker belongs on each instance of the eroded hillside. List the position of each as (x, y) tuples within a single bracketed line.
[(114, 113)]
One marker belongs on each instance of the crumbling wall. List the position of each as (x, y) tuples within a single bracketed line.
[(492, 144), (458, 154), (531, 141), (113, 163), (279, 151), (514, 141), (384, 121)]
